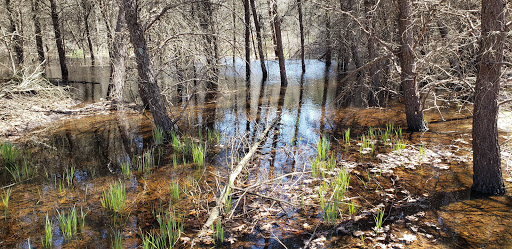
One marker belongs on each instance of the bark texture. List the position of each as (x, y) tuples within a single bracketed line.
[(487, 177), (59, 41), (16, 37), (373, 99), (247, 39), (87, 13), (276, 23), (206, 21), (257, 26), (118, 54), (148, 88), (301, 29), (413, 109), (37, 31)]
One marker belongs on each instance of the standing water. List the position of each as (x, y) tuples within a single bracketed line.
[(325, 176)]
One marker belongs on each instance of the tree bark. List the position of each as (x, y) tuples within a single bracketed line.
[(59, 40), (373, 99), (276, 23), (206, 18), (257, 26), (247, 34), (301, 29), (118, 58), (413, 109), (487, 177), (328, 52), (17, 39), (37, 30), (148, 87), (87, 12)]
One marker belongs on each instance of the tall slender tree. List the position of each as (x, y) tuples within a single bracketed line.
[(16, 37), (59, 41), (247, 40), (413, 109), (278, 40), (87, 7), (487, 177), (118, 58), (37, 31), (373, 99), (257, 26), (301, 30)]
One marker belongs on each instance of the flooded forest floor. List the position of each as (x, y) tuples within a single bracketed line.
[(325, 176)]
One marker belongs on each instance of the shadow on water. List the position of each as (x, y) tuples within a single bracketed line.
[(429, 199)]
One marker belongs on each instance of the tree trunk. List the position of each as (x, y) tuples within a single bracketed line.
[(148, 87), (16, 38), (37, 30), (87, 10), (276, 23), (487, 177), (212, 51), (413, 109), (301, 28), (59, 41), (118, 58), (328, 53), (257, 26), (247, 46), (373, 99)]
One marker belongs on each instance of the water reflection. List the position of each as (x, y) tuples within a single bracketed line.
[(242, 108)]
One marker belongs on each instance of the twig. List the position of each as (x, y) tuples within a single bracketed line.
[(215, 212)]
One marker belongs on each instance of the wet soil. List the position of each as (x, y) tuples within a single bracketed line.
[(422, 189)]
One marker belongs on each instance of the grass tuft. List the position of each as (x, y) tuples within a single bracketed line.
[(114, 199), (9, 154), (47, 241), (68, 223)]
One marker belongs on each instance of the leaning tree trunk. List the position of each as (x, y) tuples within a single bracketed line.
[(301, 28), (148, 87), (487, 177), (257, 26), (59, 41), (247, 34), (276, 23), (413, 109), (37, 31), (119, 51)]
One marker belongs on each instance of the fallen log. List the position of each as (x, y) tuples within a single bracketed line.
[(216, 211)]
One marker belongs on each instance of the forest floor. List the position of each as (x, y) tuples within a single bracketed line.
[(21, 113)]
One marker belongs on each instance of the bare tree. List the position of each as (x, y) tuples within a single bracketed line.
[(118, 58), (487, 177), (372, 54), (257, 26), (413, 109), (59, 40), (247, 41), (301, 28), (37, 31), (148, 88), (16, 37), (278, 40), (87, 10)]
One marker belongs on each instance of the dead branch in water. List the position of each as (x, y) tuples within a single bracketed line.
[(215, 212)]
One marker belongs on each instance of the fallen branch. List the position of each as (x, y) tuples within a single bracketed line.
[(215, 212)]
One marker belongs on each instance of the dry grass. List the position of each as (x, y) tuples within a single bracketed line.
[(27, 102)]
